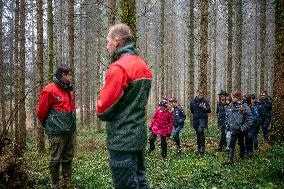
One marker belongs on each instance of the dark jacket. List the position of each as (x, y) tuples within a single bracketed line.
[(179, 116), (198, 112), (265, 108), (239, 121), (221, 114), (56, 108), (200, 115), (122, 100)]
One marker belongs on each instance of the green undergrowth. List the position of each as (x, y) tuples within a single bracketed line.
[(188, 170)]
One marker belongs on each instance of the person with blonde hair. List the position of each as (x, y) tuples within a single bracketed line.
[(121, 104)]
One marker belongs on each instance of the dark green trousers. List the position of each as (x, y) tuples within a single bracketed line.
[(61, 153), (128, 169)]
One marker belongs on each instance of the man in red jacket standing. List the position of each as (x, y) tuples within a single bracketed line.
[(121, 104), (56, 110)]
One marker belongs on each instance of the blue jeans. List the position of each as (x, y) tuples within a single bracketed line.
[(128, 169), (176, 135)]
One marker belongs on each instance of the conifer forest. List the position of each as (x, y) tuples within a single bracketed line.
[(194, 51)]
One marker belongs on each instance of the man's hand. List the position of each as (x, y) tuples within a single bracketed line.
[(202, 105)]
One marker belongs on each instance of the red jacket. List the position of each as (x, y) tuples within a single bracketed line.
[(56, 110), (162, 122)]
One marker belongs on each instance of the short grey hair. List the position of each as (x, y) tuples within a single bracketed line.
[(120, 31)]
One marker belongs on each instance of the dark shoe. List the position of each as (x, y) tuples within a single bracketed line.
[(55, 186), (228, 162)]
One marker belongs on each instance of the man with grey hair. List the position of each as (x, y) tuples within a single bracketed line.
[(121, 104)]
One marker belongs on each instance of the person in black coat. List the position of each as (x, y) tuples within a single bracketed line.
[(200, 108), (221, 116), (265, 113), (179, 117)]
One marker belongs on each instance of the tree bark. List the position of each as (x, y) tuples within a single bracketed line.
[(22, 108), (16, 72), (2, 83), (190, 67), (239, 36), (112, 12), (71, 38), (162, 59), (39, 64), (262, 43), (203, 46), (230, 48), (50, 39), (128, 15), (277, 125)]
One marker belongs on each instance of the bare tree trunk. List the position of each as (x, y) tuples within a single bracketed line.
[(203, 46), (61, 31), (2, 83), (239, 36), (214, 58), (22, 108), (277, 125), (16, 72), (190, 68), (255, 50), (112, 12), (81, 54), (162, 60), (230, 48), (11, 69), (262, 43), (128, 15), (98, 62), (50, 40), (39, 64), (71, 37)]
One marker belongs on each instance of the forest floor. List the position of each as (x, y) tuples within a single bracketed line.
[(188, 170)]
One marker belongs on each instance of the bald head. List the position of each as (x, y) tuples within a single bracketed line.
[(120, 32)]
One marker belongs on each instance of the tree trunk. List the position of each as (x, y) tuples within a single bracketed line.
[(128, 15), (277, 125), (81, 54), (39, 64), (190, 67), (238, 68), (256, 84), (71, 38), (2, 83), (50, 39), (112, 12), (98, 61), (16, 72), (262, 43), (214, 57), (162, 36), (22, 108), (203, 46), (230, 48)]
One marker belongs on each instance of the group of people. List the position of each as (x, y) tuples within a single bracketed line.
[(239, 117), (121, 104)]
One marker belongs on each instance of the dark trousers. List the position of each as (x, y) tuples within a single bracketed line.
[(200, 140), (255, 137), (164, 148), (264, 123), (61, 152), (176, 134), (222, 142), (249, 141), (234, 138), (128, 169)]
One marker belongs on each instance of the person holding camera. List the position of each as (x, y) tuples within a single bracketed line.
[(200, 108)]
